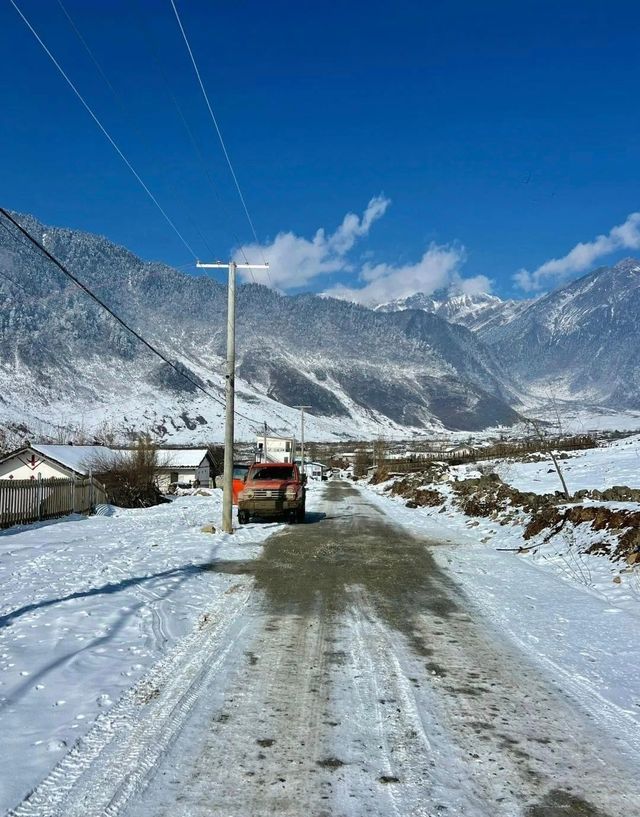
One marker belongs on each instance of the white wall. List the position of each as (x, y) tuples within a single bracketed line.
[(185, 475), (279, 449), (16, 468)]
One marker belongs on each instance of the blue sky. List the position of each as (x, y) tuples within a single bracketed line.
[(470, 141)]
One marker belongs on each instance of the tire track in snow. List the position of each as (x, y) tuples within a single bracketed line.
[(107, 766)]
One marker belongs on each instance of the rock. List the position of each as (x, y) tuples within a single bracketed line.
[(617, 580), (208, 529), (633, 558), (411, 504)]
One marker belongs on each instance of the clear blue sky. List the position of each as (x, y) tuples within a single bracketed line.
[(509, 128)]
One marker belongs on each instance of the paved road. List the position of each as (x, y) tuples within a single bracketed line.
[(356, 679)]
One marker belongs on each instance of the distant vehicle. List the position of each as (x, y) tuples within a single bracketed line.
[(273, 489), (240, 471)]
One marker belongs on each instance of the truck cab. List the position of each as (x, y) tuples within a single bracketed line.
[(273, 489)]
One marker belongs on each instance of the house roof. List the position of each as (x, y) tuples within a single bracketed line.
[(75, 457), (181, 457)]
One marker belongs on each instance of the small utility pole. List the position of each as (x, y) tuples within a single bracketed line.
[(227, 484), (302, 408), (264, 442)]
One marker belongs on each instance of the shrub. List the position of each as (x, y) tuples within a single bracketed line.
[(130, 476)]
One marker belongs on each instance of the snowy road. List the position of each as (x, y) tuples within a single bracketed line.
[(343, 672)]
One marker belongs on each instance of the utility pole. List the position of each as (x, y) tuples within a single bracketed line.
[(227, 484), (302, 408), (264, 442)]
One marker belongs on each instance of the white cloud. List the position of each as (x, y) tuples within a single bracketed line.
[(295, 261), (474, 286), (438, 267), (583, 256)]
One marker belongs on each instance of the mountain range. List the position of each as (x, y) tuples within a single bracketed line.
[(579, 342), (429, 362)]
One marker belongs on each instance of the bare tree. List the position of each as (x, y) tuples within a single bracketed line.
[(537, 428), (130, 475), (361, 462)]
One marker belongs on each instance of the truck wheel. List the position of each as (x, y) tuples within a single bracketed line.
[(292, 517), (243, 517), (300, 515)]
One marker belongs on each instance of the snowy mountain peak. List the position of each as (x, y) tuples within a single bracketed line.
[(473, 311)]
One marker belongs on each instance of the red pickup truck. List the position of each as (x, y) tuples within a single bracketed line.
[(273, 489)]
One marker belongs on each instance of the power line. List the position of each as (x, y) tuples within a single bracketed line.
[(194, 142), (116, 317), (34, 242), (103, 129), (119, 100), (215, 122), (54, 260)]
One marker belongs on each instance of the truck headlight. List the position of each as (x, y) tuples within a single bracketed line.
[(246, 494), (291, 493)]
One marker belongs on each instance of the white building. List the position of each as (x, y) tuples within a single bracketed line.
[(278, 449), (185, 466), (182, 466), (51, 461), (313, 470)]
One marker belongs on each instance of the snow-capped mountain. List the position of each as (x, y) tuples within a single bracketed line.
[(580, 341), (65, 361), (476, 312)]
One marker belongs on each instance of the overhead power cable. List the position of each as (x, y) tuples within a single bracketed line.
[(215, 122), (108, 309), (192, 139), (104, 130)]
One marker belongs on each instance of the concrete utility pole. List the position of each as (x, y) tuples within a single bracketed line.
[(302, 408), (227, 485)]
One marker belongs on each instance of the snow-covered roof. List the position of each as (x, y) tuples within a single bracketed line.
[(76, 457), (181, 457)]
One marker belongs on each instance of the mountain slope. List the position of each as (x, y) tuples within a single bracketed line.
[(63, 359), (582, 339)]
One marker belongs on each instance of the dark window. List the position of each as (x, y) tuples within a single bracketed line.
[(279, 472), (240, 471)]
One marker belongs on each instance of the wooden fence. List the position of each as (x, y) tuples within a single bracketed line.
[(32, 500)]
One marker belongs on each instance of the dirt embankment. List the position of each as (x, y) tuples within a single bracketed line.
[(488, 496)]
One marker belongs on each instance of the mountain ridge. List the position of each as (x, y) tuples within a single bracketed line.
[(364, 373)]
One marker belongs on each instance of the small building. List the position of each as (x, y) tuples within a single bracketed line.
[(313, 470), (51, 461), (185, 467), (278, 449)]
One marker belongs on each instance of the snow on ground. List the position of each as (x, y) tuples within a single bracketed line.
[(575, 613), (582, 631), (616, 463), (87, 606)]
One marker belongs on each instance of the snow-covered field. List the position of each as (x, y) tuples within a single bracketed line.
[(617, 463), (87, 606)]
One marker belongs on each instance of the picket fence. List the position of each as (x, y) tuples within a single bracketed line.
[(32, 500)]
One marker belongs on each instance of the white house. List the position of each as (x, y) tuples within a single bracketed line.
[(185, 466), (278, 449), (314, 470), (49, 461)]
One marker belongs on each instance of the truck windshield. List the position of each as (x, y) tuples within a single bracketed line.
[(281, 472)]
